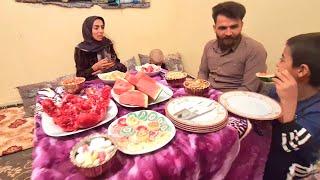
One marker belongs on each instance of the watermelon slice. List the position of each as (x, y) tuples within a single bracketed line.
[(134, 98), (134, 78), (131, 78), (145, 84), (121, 86), (148, 86)]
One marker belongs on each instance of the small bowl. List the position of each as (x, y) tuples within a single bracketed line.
[(176, 78), (265, 77), (142, 68), (197, 87), (73, 85), (92, 170)]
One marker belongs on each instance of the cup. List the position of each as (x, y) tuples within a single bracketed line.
[(106, 53)]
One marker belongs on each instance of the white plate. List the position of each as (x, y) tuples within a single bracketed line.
[(108, 81), (165, 94), (129, 140), (250, 105), (154, 73), (51, 129)]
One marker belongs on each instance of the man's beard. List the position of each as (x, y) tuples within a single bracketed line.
[(228, 42)]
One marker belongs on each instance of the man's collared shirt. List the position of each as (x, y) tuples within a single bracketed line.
[(234, 69)]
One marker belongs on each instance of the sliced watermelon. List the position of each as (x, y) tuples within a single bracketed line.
[(134, 98), (121, 86), (149, 86), (145, 84), (134, 78), (131, 78)]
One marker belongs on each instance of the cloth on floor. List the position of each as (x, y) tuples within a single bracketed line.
[(17, 165), (16, 131)]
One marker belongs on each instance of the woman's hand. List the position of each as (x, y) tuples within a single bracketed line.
[(287, 90), (96, 72), (102, 65)]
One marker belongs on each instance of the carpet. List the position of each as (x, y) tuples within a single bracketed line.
[(16, 166), (16, 131)]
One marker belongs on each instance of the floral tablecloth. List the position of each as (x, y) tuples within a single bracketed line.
[(187, 156)]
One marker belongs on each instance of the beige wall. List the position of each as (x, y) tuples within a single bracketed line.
[(271, 22), (37, 42)]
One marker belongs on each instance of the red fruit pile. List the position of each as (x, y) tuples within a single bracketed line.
[(76, 112)]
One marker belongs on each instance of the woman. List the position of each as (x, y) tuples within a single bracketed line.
[(95, 54), (295, 142)]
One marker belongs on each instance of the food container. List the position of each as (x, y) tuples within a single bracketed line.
[(111, 77), (197, 87), (176, 78), (93, 155), (73, 85), (149, 69)]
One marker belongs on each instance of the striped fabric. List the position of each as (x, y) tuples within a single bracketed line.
[(291, 141), (299, 171)]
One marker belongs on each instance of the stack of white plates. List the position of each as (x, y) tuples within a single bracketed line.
[(197, 114)]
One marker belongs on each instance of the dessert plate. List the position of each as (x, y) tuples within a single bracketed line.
[(141, 132)]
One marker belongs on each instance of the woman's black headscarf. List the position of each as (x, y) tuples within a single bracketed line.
[(90, 44)]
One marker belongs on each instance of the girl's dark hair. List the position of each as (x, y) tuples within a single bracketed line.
[(229, 9), (305, 49)]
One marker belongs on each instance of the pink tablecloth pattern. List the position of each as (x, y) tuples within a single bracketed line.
[(187, 156), (250, 162)]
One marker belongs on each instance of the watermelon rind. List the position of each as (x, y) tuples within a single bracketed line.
[(265, 77), (149, 87)]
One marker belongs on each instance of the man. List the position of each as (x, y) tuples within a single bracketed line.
[(231, 61)]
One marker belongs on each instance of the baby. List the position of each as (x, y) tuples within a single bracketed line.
[(156, 57)]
